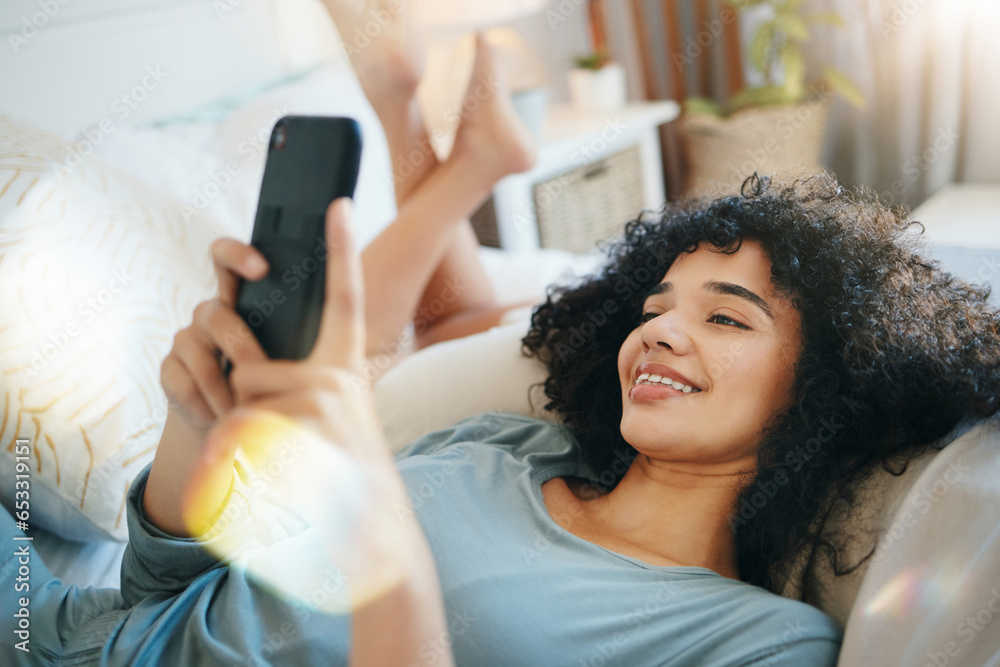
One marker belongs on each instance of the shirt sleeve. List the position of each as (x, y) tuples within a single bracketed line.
[(156, 562), (256, 589)]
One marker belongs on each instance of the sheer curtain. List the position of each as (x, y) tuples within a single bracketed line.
[(930, 71)]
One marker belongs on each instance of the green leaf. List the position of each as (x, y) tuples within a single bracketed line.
[(760, 47), (831, 18), (795, 70), (841, 84), (592, 61), (702, 105), (791, 25)]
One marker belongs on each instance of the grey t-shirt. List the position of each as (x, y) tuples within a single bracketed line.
[(518, 588), (521, 590)]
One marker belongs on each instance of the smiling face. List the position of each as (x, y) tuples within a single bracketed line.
[(715, 324)]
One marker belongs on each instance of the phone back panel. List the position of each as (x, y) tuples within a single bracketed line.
[(310, 162)]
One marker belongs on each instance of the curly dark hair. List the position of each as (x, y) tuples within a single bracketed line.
[(896, 351)]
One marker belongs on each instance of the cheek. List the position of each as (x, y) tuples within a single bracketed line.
[(627, 355), (772, 375)]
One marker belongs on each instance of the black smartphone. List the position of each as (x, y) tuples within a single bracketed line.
[(311, 160)]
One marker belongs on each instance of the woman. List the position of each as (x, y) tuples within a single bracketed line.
[(772, 315), (615, 539)]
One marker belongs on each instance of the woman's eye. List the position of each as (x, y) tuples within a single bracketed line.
[(647, 317), (725, 319)]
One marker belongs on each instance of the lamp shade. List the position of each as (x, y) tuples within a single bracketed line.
[(467, 15)]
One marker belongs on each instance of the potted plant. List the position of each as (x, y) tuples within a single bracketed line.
[(596, 83), (775, 126)]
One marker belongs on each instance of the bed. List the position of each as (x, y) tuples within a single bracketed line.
[(125, 169)]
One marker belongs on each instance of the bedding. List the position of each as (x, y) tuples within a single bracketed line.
[(106, 269)]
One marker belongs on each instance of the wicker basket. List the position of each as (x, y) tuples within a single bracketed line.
[(721, 152), (580, 208)]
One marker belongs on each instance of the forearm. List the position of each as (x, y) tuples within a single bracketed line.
[(411, 614), (167, 502)]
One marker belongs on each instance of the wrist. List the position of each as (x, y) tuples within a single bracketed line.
[(185, 492)]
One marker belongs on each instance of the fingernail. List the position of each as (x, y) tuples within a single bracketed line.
[(347, 204), (256, 264)]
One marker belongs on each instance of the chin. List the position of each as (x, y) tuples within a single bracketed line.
[(643, 431)]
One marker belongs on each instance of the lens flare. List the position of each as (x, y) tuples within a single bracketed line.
[(313, 524), (915, 589)]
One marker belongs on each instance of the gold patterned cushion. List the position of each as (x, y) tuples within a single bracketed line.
[(98, 273)]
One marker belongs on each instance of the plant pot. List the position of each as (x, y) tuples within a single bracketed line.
[(598, 90), (722, 152)]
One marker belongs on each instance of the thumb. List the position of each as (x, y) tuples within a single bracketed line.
[(341, 338)]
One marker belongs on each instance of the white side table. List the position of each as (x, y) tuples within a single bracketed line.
[(570, 140)]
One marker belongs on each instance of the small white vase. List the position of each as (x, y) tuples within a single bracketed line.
[(532, 106), (598, 90)]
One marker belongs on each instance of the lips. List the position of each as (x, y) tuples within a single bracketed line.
[(654, 382), (663, 371)]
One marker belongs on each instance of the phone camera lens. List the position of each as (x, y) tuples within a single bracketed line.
[(280, 137)]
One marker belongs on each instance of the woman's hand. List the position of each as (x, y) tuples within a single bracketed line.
[(325, 392), (197, 391), (191, 375), (393, 584)]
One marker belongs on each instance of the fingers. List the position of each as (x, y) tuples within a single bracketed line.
[(334, 416), (219, 327), (182, 391), (200, 363), (195, 378), (234, 260), (252, 382), (341, 340)]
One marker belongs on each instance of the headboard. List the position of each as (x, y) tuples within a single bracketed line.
[(66, 65)]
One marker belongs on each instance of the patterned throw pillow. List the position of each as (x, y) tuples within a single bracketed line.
[(98, 273)]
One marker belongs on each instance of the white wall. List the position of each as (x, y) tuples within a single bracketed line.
[(558, 34), (65, 65)]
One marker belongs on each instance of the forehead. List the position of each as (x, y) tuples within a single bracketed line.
[(749, 267)]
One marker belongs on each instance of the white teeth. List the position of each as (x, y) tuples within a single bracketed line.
[(649, 378)]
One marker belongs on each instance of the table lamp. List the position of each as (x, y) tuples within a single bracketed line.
[(447, 26)]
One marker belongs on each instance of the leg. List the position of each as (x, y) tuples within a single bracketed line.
[(389, 67), (416, 258), (419, 266)]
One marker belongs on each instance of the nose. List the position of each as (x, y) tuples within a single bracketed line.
[(668, 331)]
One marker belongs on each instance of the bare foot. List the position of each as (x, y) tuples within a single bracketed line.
[(490, 130), (381, 42)]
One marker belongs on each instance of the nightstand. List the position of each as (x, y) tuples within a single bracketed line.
[(595, 172)]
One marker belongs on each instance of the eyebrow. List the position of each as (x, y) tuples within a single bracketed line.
[(719, 287)]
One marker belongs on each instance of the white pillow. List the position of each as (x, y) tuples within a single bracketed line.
[(99, 272), (444, 383), (215, 164)]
